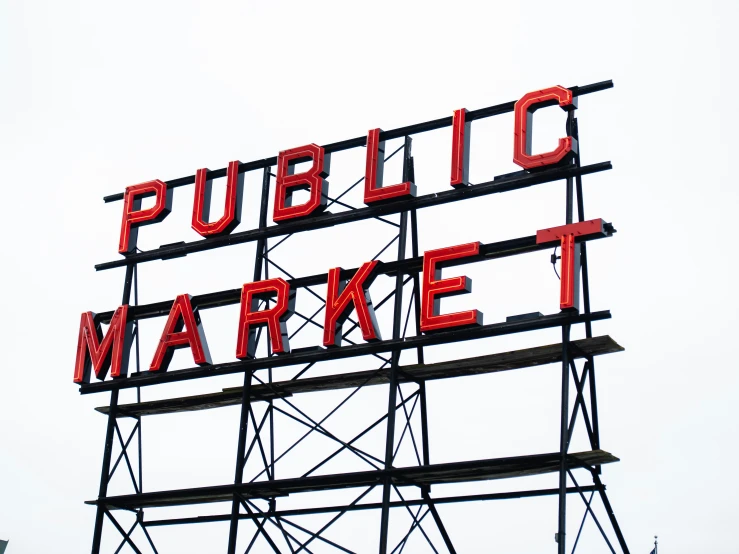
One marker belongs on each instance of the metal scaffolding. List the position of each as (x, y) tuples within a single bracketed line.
[(254, 495)]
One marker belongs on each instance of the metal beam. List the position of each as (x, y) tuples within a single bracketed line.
[(410, 266), (504, 183), (492, 363), (357, 142), (369, 506), (455, 472), (319, 354)]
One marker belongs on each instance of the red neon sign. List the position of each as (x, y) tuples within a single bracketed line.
[(103, 353), (373, 189), (134, 216), (182, 330), (275, 318), (434, 288), (569, 296), (460, 149), (341, 296), (523, 131), (313, 180), (232, 210), (271, 302)]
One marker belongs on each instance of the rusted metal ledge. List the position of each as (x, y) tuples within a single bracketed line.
[(516, 359), (455, 472)]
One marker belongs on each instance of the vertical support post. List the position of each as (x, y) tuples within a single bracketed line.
[(397, 326), (565, 400), (571, 122), (246, 391), (270, 407), (573, 131), (595, 438), (271, 402), (139, 419), (263, 207), (563, 442), (240, 462), (425, 489), (109, 434), (419, 350)]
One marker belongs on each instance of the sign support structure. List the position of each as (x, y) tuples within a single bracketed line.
[(259, 515)]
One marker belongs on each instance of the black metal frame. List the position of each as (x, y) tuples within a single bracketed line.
[(255, 501)]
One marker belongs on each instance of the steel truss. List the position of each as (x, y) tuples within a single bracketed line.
[(255, 493)]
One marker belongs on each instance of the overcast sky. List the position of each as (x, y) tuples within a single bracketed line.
[(97, 96)]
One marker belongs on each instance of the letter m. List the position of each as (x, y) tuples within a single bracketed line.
[(103, 353)]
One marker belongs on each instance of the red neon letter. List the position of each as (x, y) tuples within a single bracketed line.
[(434, 287), (569, 294), (373, 189), (275, 317), (523, 131), (102, 353), (134, 216), (231, 212), (181, 316), (460, 149), (313, 180), (340, 296)]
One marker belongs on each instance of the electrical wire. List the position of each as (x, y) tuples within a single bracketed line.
[(554, 259)]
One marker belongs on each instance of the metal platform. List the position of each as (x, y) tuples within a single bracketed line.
[(457, 472), (504, 361)]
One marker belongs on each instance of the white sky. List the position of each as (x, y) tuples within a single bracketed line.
[(96, 96)]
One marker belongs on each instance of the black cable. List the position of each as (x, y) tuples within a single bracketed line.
[(554, 259)]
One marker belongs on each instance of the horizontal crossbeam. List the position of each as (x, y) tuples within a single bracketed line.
[(504, 183), (318, 354), (370, 506), (456, 472), (409, 266), (358, 142), (503, 361)]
